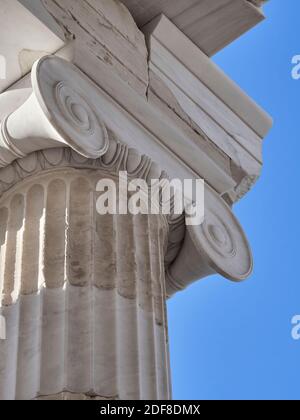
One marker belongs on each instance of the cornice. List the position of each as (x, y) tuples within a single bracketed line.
[(210, 25), (170, 49)]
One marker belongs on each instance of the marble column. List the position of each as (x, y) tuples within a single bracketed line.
[(83, 294)]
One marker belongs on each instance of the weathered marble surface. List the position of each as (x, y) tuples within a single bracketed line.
[(106, 30), (83, 295), (211, 25), (199, 93), (83, 340)]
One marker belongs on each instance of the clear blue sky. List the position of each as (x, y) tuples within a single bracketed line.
[(233, 341)]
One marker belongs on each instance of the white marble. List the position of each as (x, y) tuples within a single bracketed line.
[(60, 111), (22, 47), (180, 61), (84, 295), (63, 339), (211, 25), (105, 30), (217, 246)]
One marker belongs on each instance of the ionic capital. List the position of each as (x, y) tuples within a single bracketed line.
[(61, 111), (217, 246)]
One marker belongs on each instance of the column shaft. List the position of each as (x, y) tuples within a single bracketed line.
[(83, 295)]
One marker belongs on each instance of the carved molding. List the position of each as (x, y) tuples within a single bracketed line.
[(119, 157)]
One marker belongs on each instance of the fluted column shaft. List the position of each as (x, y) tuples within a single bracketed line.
[(83, 295)]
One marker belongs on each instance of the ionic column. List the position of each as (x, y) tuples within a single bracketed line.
[(83, 295)]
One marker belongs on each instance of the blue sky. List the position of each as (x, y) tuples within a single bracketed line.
[(233, 341)]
